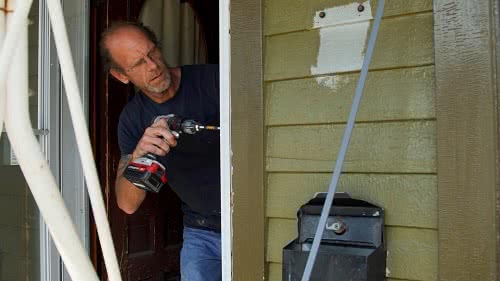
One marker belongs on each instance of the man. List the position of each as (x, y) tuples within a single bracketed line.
[(131, 53)]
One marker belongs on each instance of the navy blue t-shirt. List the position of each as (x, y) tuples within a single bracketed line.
[(193, 166)]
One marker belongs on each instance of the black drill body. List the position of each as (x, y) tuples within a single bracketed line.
[(147, 172)]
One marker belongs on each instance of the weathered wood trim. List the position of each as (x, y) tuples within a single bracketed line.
[(247, 127), (467, 139), (496, 24)]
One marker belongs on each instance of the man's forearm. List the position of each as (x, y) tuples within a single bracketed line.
[(128, 196)]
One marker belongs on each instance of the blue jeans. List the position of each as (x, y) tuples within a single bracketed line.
[(201, 255)]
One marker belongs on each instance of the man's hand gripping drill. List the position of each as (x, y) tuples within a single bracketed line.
[(145, 171)]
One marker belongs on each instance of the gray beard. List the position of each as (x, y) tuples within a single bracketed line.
[(158, 90)]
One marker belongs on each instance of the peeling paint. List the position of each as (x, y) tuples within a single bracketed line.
[(343, 35), (333, 82), (328, 81)]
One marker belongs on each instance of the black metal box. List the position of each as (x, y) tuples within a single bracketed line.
[(352, 247)]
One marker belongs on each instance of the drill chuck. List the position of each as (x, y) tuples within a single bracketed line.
[(179, 125)]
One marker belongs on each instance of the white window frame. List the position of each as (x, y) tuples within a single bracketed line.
[(57, 135), (225, 141), (54, 112)]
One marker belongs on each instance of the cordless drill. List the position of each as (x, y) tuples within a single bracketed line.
[(147, 172)]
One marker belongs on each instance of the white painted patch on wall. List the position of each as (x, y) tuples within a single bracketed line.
[(343, 35)]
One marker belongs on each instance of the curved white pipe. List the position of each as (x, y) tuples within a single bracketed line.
[(16, 21), (36, 169), (3, 16), (82, 138)]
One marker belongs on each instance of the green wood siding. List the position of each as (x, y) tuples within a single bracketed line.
[(389, 95), (282, 16), (403, 41), (288, 192), (392, 157), (392, 147)]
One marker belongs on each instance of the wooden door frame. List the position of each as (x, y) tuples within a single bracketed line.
[(466, 51), (242, 139), (242, 150)]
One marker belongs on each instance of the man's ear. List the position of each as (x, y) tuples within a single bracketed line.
[(119, 75)]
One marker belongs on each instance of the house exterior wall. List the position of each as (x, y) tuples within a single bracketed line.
[(309, 82)]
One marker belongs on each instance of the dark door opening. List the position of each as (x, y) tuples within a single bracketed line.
[(148, 242)]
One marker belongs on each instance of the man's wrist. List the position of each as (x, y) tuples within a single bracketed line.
[(122, 165), (132, 156), (135, 155)]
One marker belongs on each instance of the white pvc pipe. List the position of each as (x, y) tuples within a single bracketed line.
[(16, 21), (3, 12), (36, 169), (82, 138)]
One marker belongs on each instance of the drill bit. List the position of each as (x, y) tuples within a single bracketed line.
[(214, 128)]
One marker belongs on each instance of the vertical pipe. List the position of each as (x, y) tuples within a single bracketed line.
[(3, 19), (16, 21), (34, 165), (345, 144), (82, 137)]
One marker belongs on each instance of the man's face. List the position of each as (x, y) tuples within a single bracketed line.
[(140, 60)]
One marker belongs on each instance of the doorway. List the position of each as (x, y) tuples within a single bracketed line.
[(148, 242)]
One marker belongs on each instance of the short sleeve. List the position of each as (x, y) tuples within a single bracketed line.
[(128, 137)]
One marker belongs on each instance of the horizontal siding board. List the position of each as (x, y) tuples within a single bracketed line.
[(402, 41), (408, 200), (399, 94), (280, 233), (412, 253), (282, 16), (394, 147), (285, 16), (291, 55)]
